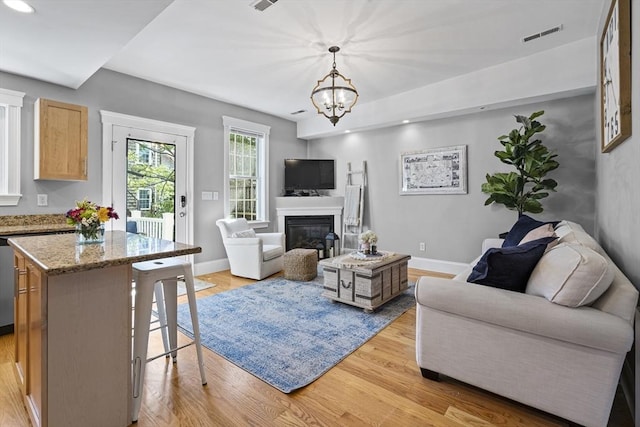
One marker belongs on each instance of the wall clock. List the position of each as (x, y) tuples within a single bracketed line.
[(615, 75)]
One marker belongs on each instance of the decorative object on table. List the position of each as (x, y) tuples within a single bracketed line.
[(615, 75), (378, 256), (334, 95), (434, 171), (522, 190), (89, 219), (294, 334), (331, 245), (367, 240)]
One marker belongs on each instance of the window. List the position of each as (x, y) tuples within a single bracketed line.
[(246, 172), (10, 112), (144, 199)]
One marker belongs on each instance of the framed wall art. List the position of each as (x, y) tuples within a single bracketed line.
[(434, 171), (615, 75)]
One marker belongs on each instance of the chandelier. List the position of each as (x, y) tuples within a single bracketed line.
[(334, 95)]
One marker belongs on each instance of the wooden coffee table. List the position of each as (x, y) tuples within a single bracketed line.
[(366, 283)]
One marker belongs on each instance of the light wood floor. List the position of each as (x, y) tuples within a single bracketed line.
[(377, 385)]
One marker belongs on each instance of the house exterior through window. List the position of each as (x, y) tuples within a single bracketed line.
[(246, 171)]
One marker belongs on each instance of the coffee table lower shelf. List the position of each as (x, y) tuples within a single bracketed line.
[(368, 285)]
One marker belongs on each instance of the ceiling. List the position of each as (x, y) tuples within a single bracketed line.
[(269, 61)]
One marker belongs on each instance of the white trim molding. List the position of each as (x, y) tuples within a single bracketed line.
[(110, 119), (10, 143), (262, 131)]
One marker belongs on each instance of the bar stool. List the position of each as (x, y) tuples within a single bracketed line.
[(146, 274)]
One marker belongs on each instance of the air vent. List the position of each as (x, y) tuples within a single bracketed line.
[(298, 112), (261, 5), (542, 34)]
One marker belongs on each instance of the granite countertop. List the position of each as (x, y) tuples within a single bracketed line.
[(58, 254), (13, 225)]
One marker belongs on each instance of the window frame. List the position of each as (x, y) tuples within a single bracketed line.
[(149, 198), (10, 148), (232, 124)]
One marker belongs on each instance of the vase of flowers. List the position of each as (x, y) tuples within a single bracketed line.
[(89, 219), (368, 241)]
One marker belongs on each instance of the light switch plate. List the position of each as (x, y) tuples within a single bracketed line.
[(207, 195), (43, 200)]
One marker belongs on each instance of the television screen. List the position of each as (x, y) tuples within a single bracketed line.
[(309, 174)]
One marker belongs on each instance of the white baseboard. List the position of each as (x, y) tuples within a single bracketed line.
[(210, 267), (440, 266)]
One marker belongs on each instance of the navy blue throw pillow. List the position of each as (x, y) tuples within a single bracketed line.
[(509, 268), (520, 229)]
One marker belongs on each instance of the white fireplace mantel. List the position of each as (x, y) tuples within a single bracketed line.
[(310, 206)]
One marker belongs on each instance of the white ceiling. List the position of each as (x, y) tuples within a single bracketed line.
[(269, 61)]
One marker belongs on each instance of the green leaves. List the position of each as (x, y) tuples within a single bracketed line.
[(523, 189)]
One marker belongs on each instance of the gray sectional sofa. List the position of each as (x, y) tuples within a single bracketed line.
[(559, 346)]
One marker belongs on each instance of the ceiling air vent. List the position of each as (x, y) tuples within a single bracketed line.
[(542, 34), (261, 5), (298, 112)]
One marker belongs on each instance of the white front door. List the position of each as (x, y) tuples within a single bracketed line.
[(147, 178)]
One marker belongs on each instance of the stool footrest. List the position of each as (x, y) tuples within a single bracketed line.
[(166, 353)]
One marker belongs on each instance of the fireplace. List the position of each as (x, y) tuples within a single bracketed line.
[(308, 232)]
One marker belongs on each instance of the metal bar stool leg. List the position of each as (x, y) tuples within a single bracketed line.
[(162, 315), (193, 309), (170, 287)]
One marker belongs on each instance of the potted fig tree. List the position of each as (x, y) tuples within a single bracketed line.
[(523, 189)]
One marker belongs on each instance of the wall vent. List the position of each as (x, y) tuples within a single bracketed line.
[(261, 5), (542, 34), (298, 112)]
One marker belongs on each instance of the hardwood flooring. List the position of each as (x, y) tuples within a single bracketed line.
[(377, 385)]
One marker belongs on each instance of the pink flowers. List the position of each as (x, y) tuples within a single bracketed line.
[(89, 213)]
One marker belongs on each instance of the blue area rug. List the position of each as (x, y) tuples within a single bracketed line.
[(285, 332)]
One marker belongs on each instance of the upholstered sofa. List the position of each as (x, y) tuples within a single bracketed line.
[(559, 346)]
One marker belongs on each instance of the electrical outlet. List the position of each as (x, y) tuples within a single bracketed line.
[(43, 200), (423, 246)]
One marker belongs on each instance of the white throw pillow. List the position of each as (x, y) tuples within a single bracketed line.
[(570, 274), (571, 232), (244, 233)]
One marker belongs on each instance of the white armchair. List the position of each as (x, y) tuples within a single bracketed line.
[(253, 255)]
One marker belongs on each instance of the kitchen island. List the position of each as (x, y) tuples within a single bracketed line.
[(73, 324)]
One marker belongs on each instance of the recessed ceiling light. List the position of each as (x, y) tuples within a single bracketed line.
[(347, 131), (19, 5), (405, 121)]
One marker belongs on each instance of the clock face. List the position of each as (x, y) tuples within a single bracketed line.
[(615, 75), (610, 77)]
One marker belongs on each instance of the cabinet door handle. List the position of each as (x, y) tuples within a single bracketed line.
[(85, 166)]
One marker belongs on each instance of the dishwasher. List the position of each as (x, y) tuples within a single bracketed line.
[(7, 280), (6, 286)]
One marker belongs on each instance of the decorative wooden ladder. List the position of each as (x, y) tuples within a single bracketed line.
[(353, 208)]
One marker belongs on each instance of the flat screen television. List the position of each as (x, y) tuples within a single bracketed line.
[(309, 174)]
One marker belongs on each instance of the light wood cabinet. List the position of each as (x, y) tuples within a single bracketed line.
[(30, 336), (36, 343), (21, 321), (60, 141)]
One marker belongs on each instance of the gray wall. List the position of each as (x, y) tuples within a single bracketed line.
[(116, 92), (618, 180), (453, 226)]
